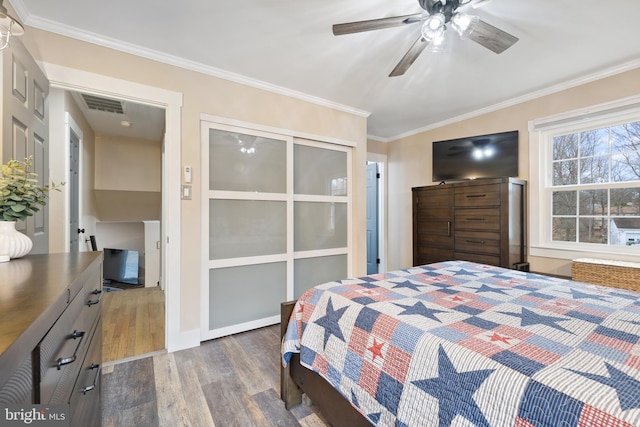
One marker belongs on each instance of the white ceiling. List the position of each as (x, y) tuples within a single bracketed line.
[(288, 46), (134, 121)]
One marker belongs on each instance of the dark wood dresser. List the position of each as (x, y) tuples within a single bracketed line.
[(51, 339), (481, 221)]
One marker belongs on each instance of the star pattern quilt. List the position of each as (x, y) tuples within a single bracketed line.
[(464, 344)]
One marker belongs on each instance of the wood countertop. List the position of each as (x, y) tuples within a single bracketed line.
[(34, 291)]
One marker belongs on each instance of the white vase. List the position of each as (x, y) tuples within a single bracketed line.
[(13, 244)]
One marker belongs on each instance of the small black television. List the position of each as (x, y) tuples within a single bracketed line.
[(121, 265), (484, 156)]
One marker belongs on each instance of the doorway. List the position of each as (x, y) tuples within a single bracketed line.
[(376, 213), (67, 79)]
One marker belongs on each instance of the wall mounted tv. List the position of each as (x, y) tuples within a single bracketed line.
[(484, 156)]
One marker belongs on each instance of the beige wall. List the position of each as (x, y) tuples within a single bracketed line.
[(205, 94), (128, 164), (410, 158), (128, 181), (377, 147)]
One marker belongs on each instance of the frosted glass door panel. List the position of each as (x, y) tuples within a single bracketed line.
[(243, 294), (319, 225), (309, 272), (319, 171), (239, 162), (244, 228)]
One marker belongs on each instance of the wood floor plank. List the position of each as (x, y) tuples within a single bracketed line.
[(131, 392), (248, 366), (199, 413), (173, 410), (270, 405), (205, 386), (133, 323), (229, 404)]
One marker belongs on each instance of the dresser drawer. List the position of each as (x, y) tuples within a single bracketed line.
[(19, 388), (62, 351), (477, 196), (85, 399), (486, 219), (486, 242), (92, 295), (479, 258)]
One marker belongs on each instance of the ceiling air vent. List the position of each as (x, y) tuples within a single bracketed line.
[(103, 104)]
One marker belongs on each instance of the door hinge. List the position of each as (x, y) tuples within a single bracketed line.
[(377, 260), (378, 175)]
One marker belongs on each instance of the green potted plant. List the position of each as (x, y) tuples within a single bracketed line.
[(20, 197)]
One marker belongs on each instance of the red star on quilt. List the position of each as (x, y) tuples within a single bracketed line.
[(497, 337), (376, 349)]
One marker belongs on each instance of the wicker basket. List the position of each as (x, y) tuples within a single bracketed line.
[(616, 274)]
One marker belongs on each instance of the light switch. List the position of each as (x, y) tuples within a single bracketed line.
[(186, 192)]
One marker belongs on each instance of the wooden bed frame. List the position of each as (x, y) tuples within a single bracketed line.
[(296, 380)]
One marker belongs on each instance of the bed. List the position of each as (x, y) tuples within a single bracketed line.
[(459, 343)]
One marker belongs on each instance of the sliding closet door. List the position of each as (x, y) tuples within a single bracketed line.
[(275, 216), (321, 212)]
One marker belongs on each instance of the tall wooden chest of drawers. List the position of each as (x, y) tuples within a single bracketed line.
[(51, 339), (481, 221)]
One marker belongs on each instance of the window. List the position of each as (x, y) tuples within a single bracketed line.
[(585, 182)]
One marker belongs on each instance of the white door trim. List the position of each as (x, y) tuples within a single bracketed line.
[(96, 84), (70, 126)]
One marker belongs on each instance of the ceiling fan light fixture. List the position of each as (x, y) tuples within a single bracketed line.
[(464, 24), (433, 27), (9, 26), (438, 44)]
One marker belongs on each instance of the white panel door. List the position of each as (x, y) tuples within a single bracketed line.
[(25, 128)]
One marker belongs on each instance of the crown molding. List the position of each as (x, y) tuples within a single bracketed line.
[(119, 45), (607, 72)]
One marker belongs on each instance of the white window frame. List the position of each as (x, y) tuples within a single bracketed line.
[(541, 133)]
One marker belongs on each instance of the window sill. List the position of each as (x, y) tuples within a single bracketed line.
[(559, 252)]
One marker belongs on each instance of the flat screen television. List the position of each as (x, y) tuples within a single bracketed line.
[(484, 156), (121, 265)]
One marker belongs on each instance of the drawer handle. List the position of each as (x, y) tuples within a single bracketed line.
[(480, 242), (95, 380), (475, 219), (476, 195), (448, 228), (96, 301), (67, 360)]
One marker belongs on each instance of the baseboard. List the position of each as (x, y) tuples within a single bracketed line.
[(183, 340)]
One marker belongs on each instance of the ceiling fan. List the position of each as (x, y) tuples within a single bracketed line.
[(435, 18)]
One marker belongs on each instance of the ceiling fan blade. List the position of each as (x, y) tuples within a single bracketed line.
[(412, 54), (375, 24), (491, 37)]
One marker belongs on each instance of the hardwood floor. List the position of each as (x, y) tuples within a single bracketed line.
[(230, 381), (132, 323)]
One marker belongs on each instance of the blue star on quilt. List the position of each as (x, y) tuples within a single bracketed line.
[(463, 272), (375, 417), (485, 288), (408, 284), (421, 310), (583, 295), (330, 322), (529, 317), (626, 387), (454, 400)]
